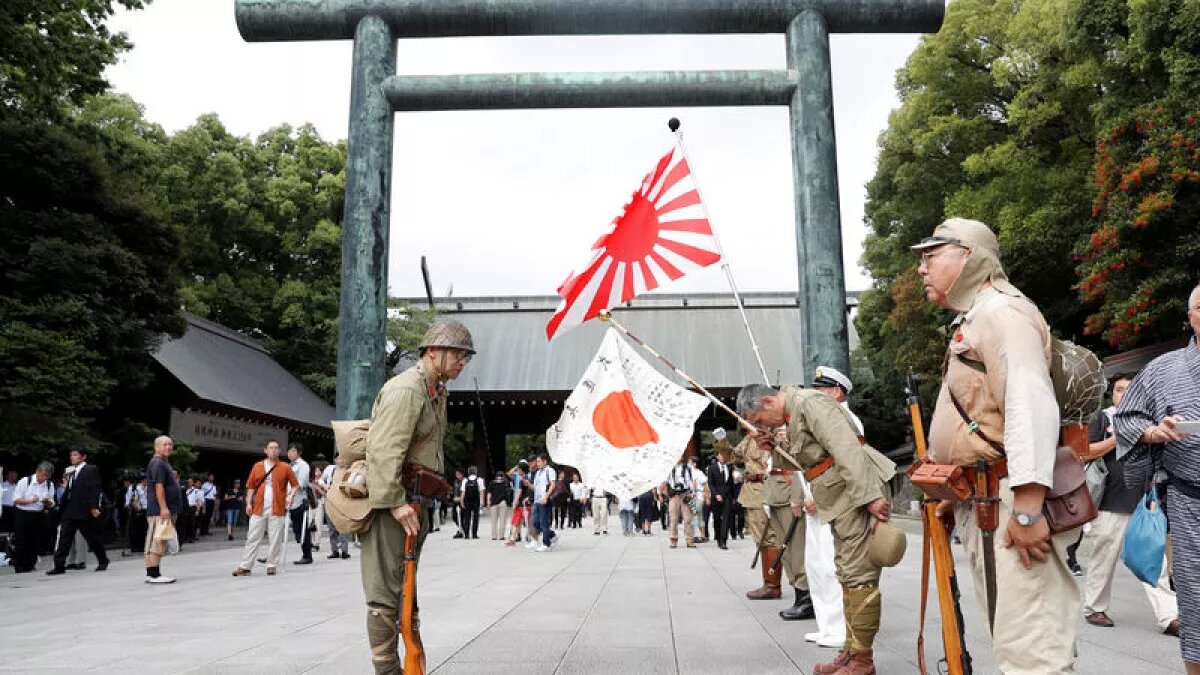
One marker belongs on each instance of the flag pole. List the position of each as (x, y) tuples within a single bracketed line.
[(607, 317), (673, 125)]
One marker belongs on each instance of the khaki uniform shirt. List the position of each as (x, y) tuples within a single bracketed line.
[(1004, 385), (818, 427), (755, 459), (408, 423)]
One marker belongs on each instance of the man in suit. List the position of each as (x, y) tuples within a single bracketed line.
[(80, 512), (720, 486)]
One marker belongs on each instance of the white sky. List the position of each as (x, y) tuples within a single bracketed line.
[(509, 202)]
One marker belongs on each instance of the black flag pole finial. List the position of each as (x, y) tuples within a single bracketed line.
[(673, 124)]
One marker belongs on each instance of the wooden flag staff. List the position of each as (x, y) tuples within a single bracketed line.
[(607, 317)]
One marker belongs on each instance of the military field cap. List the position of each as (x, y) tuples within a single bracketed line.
[(831, 377), (887, 545), (970, 234)]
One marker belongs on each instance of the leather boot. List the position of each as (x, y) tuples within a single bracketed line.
[(383, 634), (861, 663), (801, 609), (833, 666), (770, 588)]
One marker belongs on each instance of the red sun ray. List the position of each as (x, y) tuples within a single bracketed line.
[(686, 199), (653, 176), (601, 298), (697, 225), (671, 270), (699, 256), (647, 276), (627, 290), (677, 173), (573, 285)]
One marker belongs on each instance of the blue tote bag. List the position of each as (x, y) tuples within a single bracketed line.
[(1146, 539)]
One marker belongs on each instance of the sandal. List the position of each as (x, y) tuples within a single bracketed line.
[(270, 571), (241, 572)]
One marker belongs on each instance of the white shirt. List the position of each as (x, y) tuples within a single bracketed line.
[(29, 487), (578, 491), (195, 497), (268, 488), (462, 488), (6, 493), (542, 481), (624, 504), (303, 475), (140, 491), (681, 474), (327, 476), (208, 490), (857, 422)]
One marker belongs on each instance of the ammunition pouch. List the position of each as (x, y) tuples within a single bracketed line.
[(422, 482), (941, 481)]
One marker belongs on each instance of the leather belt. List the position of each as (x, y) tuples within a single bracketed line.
[(756, 477), (999, 468), (819, 468), (786, 473)]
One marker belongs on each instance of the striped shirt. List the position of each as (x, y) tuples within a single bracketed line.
[(1170, 385)]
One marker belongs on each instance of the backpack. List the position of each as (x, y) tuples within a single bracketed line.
[(471, 493)]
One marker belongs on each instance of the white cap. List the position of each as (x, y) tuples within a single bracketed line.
[(831, 377)]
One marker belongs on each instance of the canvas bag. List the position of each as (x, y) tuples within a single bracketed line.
[(1146, 539), (346, 503)]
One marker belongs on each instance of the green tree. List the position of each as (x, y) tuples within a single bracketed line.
[(53, 54), (89, 284)]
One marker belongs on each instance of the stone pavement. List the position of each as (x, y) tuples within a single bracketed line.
[(595, 604)]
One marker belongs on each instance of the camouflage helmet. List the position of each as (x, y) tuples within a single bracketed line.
[(450, 334)]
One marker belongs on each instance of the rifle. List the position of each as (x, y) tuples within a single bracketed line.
[(414, 651), (787, 540), (937, 539)]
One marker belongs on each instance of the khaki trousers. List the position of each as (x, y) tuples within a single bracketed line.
[(759, 528), (498, 514), (793, 558), (383, 558), (600, 515), (677, 508), (271, 526), (1106, 536), (1037, 610), (851, 541)]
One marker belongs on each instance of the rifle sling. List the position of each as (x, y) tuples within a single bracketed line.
[(926, 544)]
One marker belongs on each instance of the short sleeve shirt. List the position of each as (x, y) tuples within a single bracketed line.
[(159, 471), (1117, 498)]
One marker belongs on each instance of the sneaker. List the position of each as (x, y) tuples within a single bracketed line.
[(532, 545), (160, 580), (541, 548), (510, 543)]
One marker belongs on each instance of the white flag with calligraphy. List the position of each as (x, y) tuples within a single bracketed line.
[(625, 425)]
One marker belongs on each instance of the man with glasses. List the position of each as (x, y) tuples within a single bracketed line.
[(408, 425), (997, 406)]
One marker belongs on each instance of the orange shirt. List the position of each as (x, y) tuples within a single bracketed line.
[(280, 478)]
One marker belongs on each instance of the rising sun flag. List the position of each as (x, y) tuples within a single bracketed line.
[(662, 235)]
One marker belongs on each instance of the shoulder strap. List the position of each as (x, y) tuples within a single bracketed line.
[(926, 543), (972, 425)]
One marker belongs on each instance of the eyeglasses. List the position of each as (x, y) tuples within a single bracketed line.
[(930, 255)]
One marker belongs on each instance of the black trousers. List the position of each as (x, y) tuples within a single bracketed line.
[(28, 527), (137, 531), (207, 518), (738, 528), (721, 515), (470, 519), (300, 531), (90, 529)]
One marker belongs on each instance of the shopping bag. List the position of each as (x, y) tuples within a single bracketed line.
[(1146, 539)]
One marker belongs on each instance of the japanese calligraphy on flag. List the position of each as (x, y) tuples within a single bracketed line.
[(662, 234), (625, 425)]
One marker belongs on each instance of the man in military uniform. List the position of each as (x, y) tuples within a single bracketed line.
[(847, 478), (408, 423), (998, 371), (751, 499)]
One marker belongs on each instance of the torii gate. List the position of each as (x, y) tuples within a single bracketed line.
[(376, 94)]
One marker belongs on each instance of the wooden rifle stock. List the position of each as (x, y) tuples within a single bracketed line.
[(937, 539), (414, 651)]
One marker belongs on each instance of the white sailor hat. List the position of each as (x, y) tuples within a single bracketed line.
[(831, 377)]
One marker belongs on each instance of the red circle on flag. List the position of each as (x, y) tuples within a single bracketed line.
[(618, 419)]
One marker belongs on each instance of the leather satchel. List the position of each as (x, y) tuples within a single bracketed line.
[(424, 482), (1068, 503), (940, 481)]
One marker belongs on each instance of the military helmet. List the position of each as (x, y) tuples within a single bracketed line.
[(450, 334)]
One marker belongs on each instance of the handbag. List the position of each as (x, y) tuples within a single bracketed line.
[(1068, 503), (1146, 539), (1096, 474)]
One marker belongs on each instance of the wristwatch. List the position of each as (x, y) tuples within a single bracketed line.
[(1026, 519)]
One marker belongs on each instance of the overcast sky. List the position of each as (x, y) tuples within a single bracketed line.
[(509, 202)]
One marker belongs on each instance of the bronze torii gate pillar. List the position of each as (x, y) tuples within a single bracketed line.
[(376, 93)]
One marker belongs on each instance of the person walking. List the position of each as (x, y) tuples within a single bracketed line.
[(136, 500), (545, 483), (579, 494), (471, 498), (751, 500), (164, 502), (80, 512), (208, 489), (194, 499), (339, 544), (679, 490), (232, 505), (7, 489), (269, 490), (851, 498), (599, 502), (625, 509), (997, 389), (299, 505), (522, 499), (499, 499), (561, 499), (1161, 397), (456, 504), (647, 510), (720, 487), (32, 498), (408, 427)]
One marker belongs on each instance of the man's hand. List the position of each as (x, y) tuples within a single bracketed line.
[(95, 513), (720, 499), (764, 439), (1166, 431), (810, 506), (165, 515), (1032, 542), (798, 510), (881, 510), (406, 515)]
